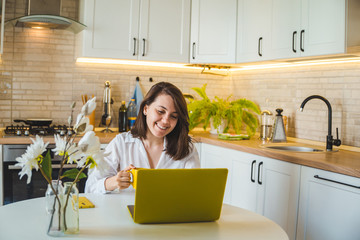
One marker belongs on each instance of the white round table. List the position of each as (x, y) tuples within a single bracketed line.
[(110, 219)]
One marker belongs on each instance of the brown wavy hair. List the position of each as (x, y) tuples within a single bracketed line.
[(178, 141)]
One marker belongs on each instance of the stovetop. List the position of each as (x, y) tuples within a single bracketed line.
[(31, 131)]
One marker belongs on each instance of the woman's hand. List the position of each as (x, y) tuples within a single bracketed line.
[(121, 180)]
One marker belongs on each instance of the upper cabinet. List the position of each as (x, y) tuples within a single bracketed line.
[(213, 31), (254, 30), (156, 30), (293, 28), (308, 28), (222, 31)]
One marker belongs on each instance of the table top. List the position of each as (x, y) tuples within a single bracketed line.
[(110, 219)]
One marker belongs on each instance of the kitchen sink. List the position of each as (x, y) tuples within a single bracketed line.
[(294, 148), (291, 148)]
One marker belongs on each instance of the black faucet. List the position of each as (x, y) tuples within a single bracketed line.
[(329, 138)]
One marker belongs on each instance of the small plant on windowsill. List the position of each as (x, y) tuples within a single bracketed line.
[(240, 114), (85, 154)]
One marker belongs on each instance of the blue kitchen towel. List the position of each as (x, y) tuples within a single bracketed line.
[(138, 96)]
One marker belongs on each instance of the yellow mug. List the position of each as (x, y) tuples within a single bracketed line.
[(134, 172)]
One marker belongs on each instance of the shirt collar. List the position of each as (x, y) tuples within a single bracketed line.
[(129, 138)]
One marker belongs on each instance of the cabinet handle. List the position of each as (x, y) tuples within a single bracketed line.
[(143, 54), (260, 164), (134, 46), (302, 34), (293, 41), (330, 180), (193, 50), (260, 49), (252, 171)]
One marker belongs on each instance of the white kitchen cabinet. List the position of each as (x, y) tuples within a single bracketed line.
[(329, 206), (324, 27), (213, 31), (156, 30), (307, 28), (217, 157), (278, 29), (112, 26), (278, 193), (253, 30), (285, 29), (2, 24), (267, 186)]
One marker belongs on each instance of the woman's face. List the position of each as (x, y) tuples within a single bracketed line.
[(161, 116)]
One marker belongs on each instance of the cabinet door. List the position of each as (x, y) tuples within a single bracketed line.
[(213, 31), (244, 188), (323, 27), (217, 157), (112, 28), (278, 194), (285, 29), (165, 30), (253, 33), (327, 209)]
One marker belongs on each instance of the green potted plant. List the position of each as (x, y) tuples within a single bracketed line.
[(240, 114)]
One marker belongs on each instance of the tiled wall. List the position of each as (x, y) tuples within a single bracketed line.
[(40, 79), (287, 87)]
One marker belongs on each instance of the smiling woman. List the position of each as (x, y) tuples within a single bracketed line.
[(159, 139)]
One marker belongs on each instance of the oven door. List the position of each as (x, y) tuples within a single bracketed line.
[(15, 189)]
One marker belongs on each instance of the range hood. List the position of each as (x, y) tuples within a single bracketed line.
[(46, 14)]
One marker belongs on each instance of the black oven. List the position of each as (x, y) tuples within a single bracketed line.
[(15, 189)]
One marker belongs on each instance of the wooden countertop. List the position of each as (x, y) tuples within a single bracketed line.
[(343, 161)]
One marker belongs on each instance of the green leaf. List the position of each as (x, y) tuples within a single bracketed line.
[(72, 173), (241, 114), (46, 165)]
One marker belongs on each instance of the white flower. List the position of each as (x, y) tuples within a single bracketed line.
[(89, 106), (90, 151), (82, 124), (63, 147), (31, 157)]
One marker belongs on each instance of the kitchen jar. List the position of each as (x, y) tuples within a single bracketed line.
[(267, 122)]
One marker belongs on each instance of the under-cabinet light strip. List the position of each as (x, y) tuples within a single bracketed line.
[(131, 62), (233, 69), (297, 64)]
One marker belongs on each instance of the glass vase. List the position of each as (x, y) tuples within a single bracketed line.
[(50, 195), (71, 208), (53, 205)]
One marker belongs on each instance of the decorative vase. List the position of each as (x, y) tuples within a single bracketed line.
[(220, 128), (54, 204), (71, 208), (50, 195)]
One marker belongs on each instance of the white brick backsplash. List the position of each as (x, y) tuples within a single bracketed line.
[(40, 67)]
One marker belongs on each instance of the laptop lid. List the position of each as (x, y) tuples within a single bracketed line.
[(178, 195)]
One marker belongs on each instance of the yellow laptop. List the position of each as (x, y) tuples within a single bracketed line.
[(178, 195)]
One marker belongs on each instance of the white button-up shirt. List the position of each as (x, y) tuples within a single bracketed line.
[(124, 150)]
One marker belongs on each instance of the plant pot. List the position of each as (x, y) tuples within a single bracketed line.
[(219, 129)]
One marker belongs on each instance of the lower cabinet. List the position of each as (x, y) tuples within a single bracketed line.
[(267, 186), (329, 206)]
